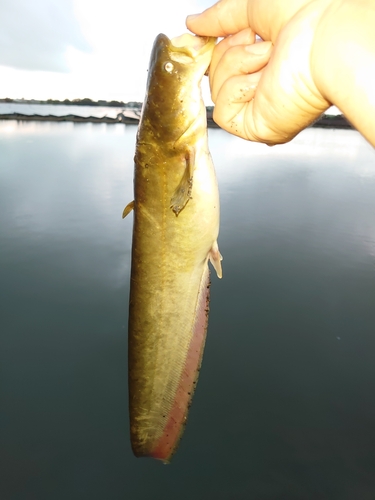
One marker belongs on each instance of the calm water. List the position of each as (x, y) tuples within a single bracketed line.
[(285, 406)]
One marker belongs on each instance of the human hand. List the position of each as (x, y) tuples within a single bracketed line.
[(264, 91)]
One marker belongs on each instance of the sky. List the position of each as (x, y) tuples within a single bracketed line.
[(71, 49)]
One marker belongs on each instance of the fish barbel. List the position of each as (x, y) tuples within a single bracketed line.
[(176, 225)]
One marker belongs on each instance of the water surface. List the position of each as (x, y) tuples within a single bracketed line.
[(285, 405)]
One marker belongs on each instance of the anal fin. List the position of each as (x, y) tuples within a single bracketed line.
[(215, 259)]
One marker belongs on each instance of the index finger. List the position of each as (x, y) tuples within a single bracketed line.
[(224, 18)]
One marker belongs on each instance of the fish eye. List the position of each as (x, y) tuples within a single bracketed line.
[(168, 67)]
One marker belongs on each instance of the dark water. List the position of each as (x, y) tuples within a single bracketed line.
[(285, 406)]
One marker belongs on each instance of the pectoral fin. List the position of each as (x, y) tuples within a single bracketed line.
[(183, 192), (215, 259), (129, 207)]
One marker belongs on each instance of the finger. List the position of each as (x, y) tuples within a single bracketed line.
[(224, 18), (243, 110), (232, 102), (244, 37), (239, 60), (256, 107)]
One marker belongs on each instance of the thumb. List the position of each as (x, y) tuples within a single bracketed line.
[(226, 17)]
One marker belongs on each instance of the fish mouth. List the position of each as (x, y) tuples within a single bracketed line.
[(189, 48), (193, 45)]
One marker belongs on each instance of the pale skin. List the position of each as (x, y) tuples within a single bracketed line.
[(313, 53)]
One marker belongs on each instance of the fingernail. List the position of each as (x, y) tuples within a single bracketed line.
[(258, 49), (191, 17)]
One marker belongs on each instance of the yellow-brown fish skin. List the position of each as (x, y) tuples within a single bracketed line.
[(176, 224)]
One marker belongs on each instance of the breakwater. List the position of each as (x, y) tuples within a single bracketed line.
[(325, 121)]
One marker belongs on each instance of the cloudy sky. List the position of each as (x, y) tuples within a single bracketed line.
[(83, 48)]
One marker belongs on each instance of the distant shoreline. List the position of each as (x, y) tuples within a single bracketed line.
[(326, 121), (70, 118), (75, 102), (130, 113)]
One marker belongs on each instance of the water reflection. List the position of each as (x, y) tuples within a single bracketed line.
[(285, 405)]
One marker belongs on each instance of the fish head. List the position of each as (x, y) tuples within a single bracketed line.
[(173, 96)]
